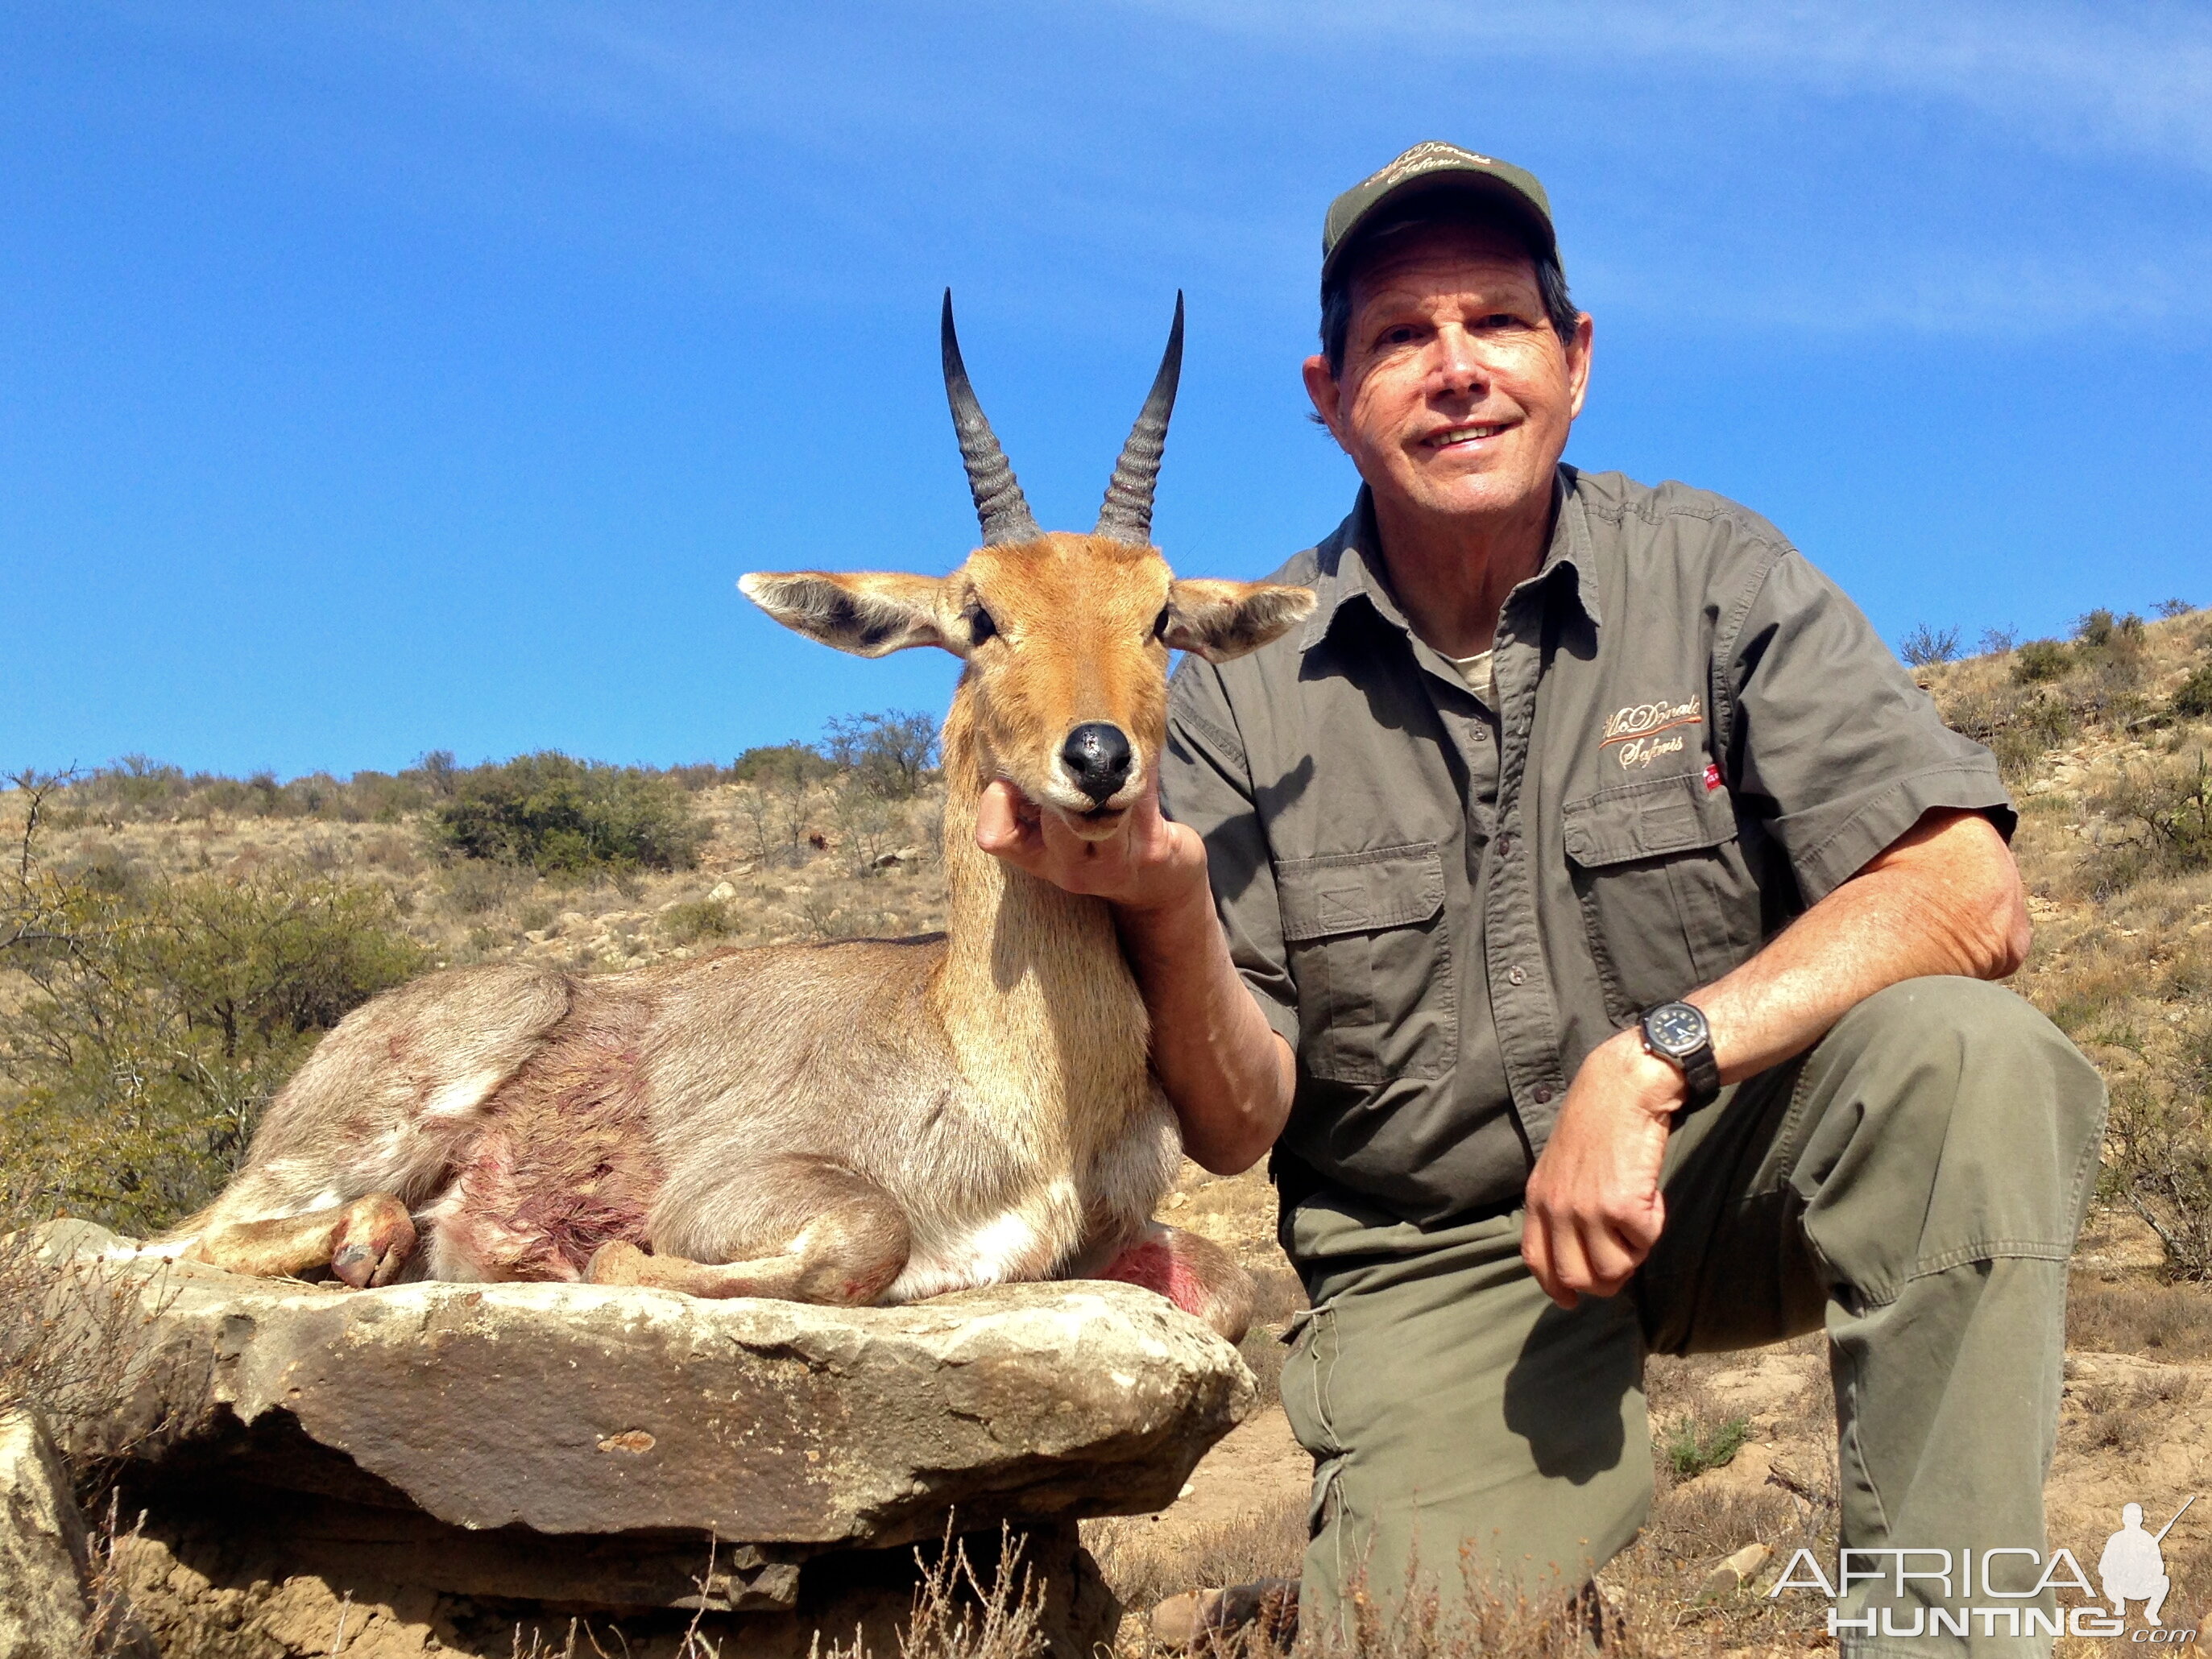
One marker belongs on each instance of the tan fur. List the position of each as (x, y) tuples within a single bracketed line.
[(847, 1123)]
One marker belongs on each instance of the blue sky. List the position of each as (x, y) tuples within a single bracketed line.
[(381, 377)]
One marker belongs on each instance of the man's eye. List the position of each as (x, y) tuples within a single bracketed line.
[(980, 626)]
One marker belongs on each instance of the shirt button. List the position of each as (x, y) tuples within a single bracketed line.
[(1505, 845), (1543, 1094), (1514, 976)]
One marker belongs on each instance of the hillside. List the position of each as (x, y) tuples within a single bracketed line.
[(2103, 736)]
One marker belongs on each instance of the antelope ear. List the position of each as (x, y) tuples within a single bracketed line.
[(869, 613), (1220, 620)]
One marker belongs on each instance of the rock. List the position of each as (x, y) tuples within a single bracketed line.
[(582, 1443), (1733, 1573), (721, 893), (42, 1547)]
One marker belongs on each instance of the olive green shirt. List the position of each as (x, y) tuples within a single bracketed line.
[(1442, 905)]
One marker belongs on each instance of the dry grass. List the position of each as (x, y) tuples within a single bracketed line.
[(1145, 1563), (960, 1614), (70, 1332), (2124, 1313)]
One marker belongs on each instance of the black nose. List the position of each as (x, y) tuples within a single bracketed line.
[(1096, 755)]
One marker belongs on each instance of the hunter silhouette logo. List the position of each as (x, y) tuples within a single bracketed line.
[(2132, 1569)]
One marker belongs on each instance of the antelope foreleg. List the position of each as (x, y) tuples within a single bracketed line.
[(364, 1244), (845, 1252)]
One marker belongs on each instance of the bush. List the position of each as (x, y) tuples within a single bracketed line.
[(888, 751), (1924, 646), (1998, 642), (2193, 698), (2159, 1165), (2100, 630), (2041, 659), (782, 763), (157, 1018), (2163, 808), (689, 922), (1692, 1447), (569, 818)]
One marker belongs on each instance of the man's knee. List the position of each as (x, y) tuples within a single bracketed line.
[(1946, 1014), (1948, 1048), (1960, 1091)]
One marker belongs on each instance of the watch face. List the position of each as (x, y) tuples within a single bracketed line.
[(1676, 1027)]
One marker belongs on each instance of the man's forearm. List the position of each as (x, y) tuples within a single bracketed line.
[(1226, 1071), (1228, 1075), (1944, 899)]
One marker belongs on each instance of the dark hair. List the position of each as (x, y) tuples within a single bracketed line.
[(1336, 288)]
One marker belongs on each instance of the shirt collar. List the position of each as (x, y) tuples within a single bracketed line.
[(1348, 566)]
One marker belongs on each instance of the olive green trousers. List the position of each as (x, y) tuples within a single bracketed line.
[(1914, 1183)]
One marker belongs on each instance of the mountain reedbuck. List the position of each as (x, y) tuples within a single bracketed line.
[(858, 1121)]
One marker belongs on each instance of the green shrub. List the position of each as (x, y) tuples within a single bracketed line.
[(156, 1019), (569, 818), (2193, 697), (693, 920), (1692, 1448), (782, 763), (2041, 659)]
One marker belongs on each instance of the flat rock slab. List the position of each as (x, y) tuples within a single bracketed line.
[(585, 1409)]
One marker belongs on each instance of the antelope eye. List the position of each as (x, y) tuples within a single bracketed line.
[(1160, 625), (980, 626)]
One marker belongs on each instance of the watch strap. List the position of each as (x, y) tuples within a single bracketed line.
[(1703, 1073)]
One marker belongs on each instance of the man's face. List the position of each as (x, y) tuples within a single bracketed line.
[(1455, 395)]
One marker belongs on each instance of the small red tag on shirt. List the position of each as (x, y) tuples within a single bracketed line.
[(1713, 776)]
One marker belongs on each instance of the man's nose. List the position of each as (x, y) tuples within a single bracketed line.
[(1096, 755), (1460, 361)]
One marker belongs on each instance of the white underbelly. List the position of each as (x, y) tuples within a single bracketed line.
[(1011, 1246)]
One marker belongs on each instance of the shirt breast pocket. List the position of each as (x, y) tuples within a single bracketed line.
[(1665, 896), (1372, 956)]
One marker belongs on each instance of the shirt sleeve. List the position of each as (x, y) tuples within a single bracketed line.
[(1206, 782), (1832, 742)]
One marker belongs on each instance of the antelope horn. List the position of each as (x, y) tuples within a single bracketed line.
[(1127, 514), (999, 504)]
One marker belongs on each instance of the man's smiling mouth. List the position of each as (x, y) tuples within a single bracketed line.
[(1474, 432)]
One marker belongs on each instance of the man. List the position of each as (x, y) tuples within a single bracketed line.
[(1594, 921)]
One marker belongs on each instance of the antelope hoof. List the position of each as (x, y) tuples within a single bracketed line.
[(617, 1263), (375, 1242)]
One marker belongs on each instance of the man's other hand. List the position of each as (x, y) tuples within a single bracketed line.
[(1594, 1209), (1153, 863)]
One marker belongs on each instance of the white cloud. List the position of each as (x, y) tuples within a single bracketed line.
[(2121, 79)]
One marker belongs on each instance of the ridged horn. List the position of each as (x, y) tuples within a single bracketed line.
[(999, 504), (1127, 514)]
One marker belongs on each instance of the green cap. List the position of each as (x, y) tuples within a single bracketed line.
[(1440, 166)]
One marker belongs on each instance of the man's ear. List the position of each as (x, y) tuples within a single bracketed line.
[(1220, 620), (1321, 388), (869, 613)]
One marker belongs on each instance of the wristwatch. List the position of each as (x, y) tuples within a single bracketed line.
[(1677, 1033)]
